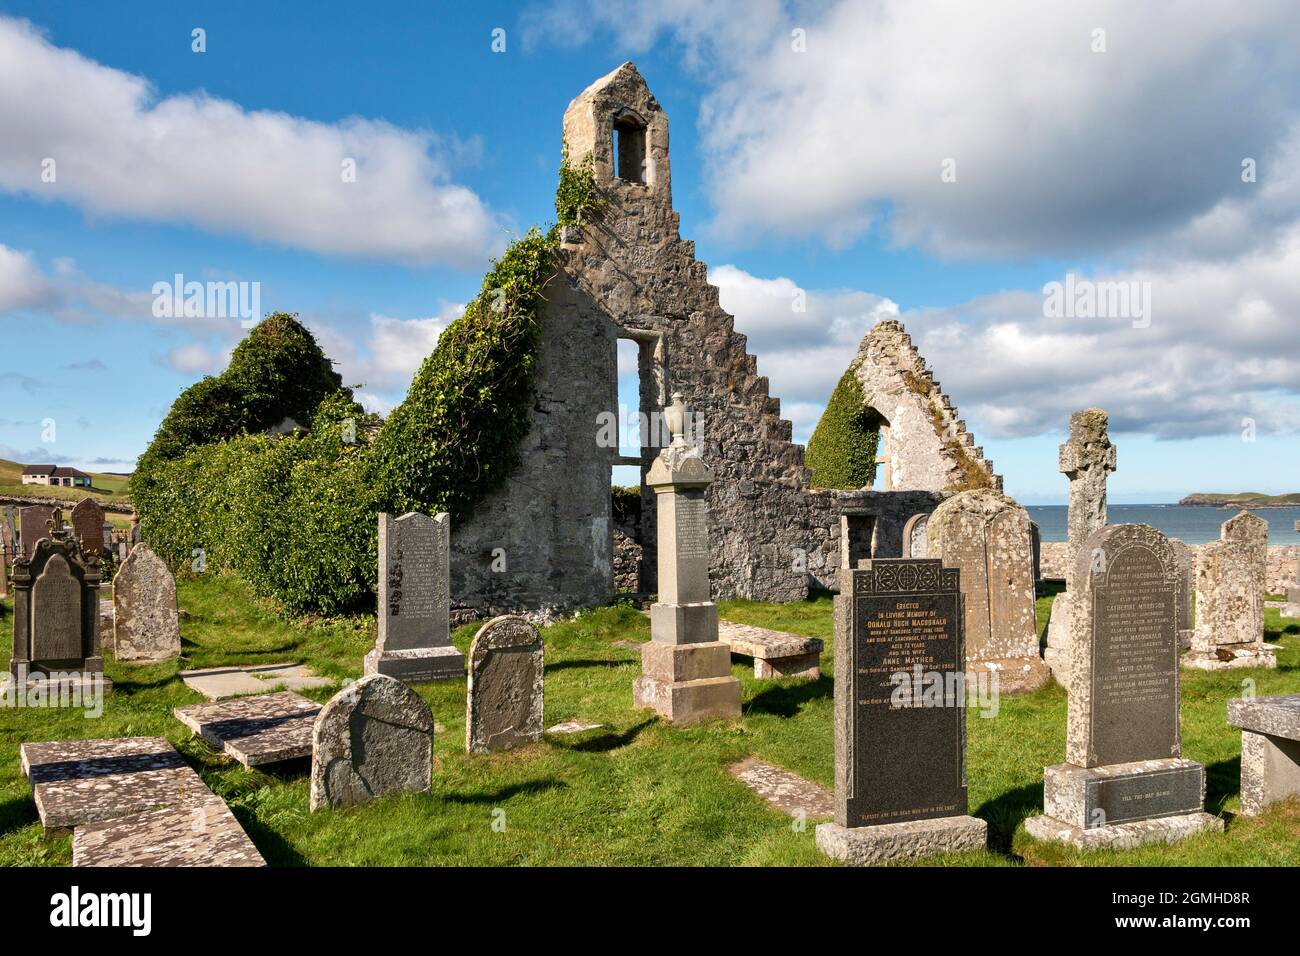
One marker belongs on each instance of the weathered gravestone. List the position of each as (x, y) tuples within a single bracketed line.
[(900, 716), (7, 549), (915, 537), (685, 669), (503, 702), (56, 612), (1292, 606), (986, 536), (88, 526), (1036, 549), (1230, 585), (414, 642), (1086, 459), (1186, 559), (373, 738), (33, 524), (1124, 781), (146, 623)]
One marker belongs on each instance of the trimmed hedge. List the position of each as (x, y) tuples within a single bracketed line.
[(842, 451)]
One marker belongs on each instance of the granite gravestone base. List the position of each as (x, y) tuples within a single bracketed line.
[(1124, 782), (414, 644), (900, 716)]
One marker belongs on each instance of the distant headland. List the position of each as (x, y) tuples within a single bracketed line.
[(1244, 499)]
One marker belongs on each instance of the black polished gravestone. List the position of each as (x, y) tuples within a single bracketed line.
[(900, 717)]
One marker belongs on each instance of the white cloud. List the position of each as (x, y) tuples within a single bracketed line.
[(195, 359), (121, 150), (1058, 149), (22, 285)]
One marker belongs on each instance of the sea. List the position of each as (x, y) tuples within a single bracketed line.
[(1192, 523)]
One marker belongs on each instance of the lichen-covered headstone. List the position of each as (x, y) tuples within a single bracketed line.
[(1230, 585), (1186, 592), (146, 623), (503, 704), (986, 535), (374, 738)]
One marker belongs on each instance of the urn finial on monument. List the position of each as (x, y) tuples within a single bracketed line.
[(680, 464)]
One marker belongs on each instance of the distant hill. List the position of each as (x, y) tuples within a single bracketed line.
[(1242, 499), (107, 488)]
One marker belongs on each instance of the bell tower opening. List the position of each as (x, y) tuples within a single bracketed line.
[(629, 147)]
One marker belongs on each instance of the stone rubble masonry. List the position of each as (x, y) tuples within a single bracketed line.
[(546, 540), (1230, 598), (1270, 749), (1086, 459), (986, 535), (929, 447), (373, 738), (504, 698), (146, 622)]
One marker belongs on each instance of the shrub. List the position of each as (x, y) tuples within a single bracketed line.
[(842, 451)]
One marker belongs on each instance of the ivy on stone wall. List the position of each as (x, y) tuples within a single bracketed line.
[(294, 514), (842, 451)]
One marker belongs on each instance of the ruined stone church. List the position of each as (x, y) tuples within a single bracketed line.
[(546, 539)]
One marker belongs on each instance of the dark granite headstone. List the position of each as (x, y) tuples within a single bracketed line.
[(33, 524), (900, 731), (88, 526)]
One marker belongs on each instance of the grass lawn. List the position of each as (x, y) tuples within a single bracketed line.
[(634, 792), (106, 488)]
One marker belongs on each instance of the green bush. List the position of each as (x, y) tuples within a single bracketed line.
[(294, 514), (842, 451)]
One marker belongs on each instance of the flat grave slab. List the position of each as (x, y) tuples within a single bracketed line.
[(775, 653), (784, 789), (75, 782), (204, 835), (573, 727), (266, 729), (216, 683)]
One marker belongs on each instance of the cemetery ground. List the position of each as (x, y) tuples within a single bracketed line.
[(633, 792)]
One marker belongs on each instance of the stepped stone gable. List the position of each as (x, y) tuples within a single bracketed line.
[(545, 541), (929, 448)]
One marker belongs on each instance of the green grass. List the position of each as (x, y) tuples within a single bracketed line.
[(634, 792), (108, 489)]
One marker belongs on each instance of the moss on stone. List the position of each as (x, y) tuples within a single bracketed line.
[(842, 451)]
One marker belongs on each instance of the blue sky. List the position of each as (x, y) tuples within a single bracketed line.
[(819, 169)]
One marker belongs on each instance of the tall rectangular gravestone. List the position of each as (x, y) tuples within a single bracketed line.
[(1124, 781), (900, 717), (414, 642), (88, 526)]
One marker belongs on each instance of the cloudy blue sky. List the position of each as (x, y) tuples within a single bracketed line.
[(938, 162)]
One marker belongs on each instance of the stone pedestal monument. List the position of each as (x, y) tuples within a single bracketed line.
[(1230, 586), (1124, 782), (56, 611), (414, 642), (1086, 459), (685, 670), (900, 715)]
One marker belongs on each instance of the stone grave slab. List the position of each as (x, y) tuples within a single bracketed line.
[(784, 789), (216, 683), (270, 728), (775, 653), (87, 781), (573, 727), (204, 835)]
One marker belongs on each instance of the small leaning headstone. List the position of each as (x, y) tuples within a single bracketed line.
[(146, 622), (374, 738), (503, 702)]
